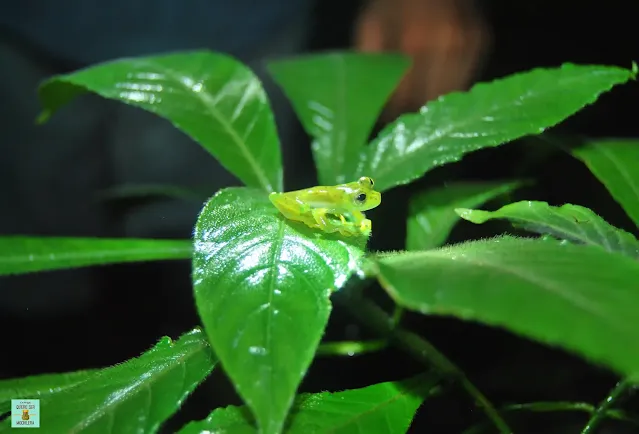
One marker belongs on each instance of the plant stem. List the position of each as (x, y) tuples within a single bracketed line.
[(398, 313), (550, 406), (351, 348), (373, 316), (612, 398), (554, 406)]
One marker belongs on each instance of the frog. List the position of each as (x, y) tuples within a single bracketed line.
[(337, 208)]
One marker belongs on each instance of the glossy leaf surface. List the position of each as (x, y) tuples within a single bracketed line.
[(431, 214), (262, 286), (571, 222), (133, 397), (383, 408), (490, 114), (39, 386), (19, 255), (338, 97), (615, 162), (581, 298), (211, 97)]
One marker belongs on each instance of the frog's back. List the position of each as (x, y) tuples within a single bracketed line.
[(325, 197)]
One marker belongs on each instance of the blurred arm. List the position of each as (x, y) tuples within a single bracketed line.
[(446, 40)]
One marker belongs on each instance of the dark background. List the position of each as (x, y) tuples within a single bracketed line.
[(137, 305)]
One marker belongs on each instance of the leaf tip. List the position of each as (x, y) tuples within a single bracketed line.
[(43, 117), (633, 71), (463, 213), (476, 216)]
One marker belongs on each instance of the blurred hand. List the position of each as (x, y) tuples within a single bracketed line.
[(446, 40)]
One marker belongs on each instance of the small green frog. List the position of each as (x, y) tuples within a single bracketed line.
[(331, 209)]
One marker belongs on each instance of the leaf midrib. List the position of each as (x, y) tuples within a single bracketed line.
[(276, 251), (624, 174), (102, 412), (550, 287), (600, 226), (94, 258), (396, 395), (209, 104)]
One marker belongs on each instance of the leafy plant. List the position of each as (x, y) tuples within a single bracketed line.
[(263, 285)]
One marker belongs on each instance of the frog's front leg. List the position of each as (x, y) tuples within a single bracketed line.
[(323, 221), (365, 227), (360, 221), (329, 222), (350, 229), (352, 224)]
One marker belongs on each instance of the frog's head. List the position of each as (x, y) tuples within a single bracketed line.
[(363, 196)]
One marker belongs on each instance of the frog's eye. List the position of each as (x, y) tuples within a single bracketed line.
[(360, 198), (365, 181)]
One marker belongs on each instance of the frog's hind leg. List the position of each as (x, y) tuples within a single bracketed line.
[(290, 208)]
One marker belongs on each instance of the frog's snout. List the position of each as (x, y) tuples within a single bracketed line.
[(375, 198)]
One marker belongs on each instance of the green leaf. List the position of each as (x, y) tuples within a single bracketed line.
[(615, 162), (581, 298), (338, 97), (135, 396), (211, 97), (571, 222), (262, 286), (381, 408), (431, 215), (39, 386), (20, 254), (489, 115)]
